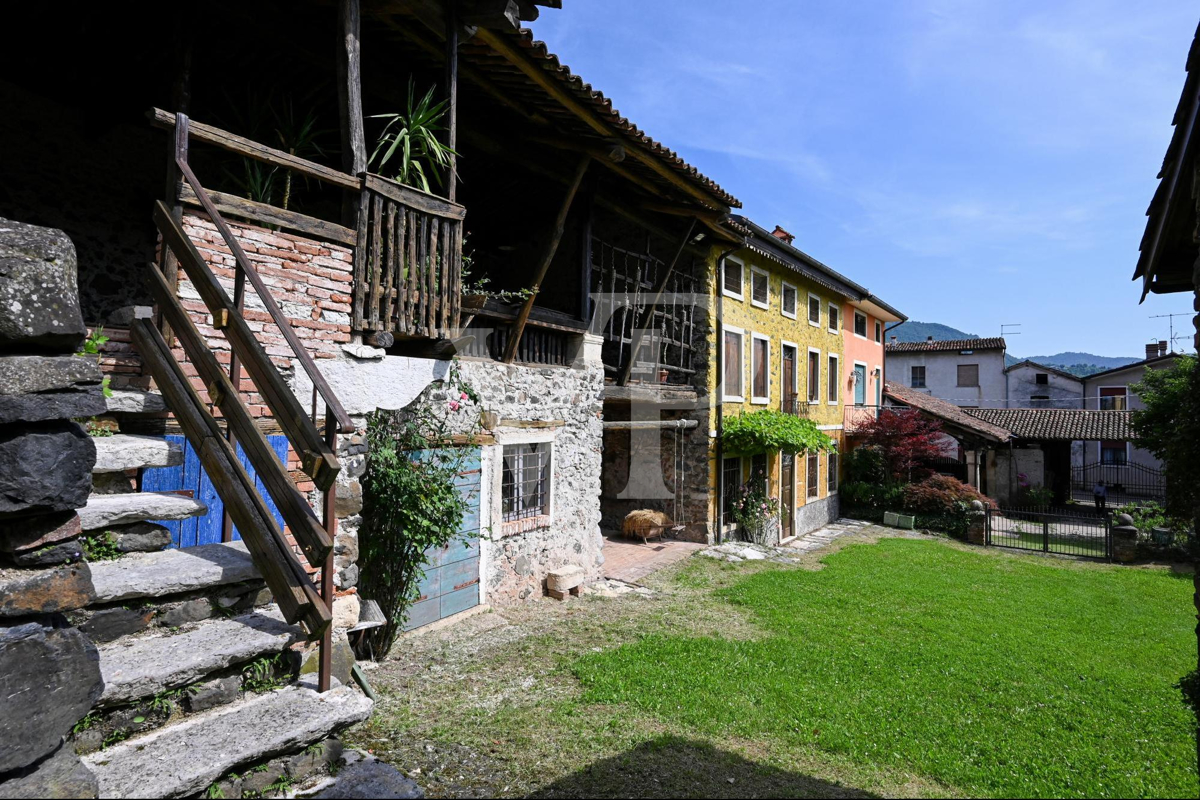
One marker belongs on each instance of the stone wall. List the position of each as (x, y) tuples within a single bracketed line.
[(49, 670)]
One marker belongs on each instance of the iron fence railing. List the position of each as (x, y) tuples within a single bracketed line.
[(1085, 534)]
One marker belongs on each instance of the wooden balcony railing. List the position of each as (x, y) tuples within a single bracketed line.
[(408, 263)]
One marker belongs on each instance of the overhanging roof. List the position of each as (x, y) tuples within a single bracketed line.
[(954, 419), (1059, 424)]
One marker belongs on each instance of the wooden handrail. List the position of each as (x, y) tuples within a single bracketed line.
[(267, 214), (317, 460), (259, 152), (414, 198), (290, 585), (264, 294), (297, 513)]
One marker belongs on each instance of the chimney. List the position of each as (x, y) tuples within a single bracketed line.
[(780, 233), (1152, 350), (929, 338), (894, 337), (1162, 348)]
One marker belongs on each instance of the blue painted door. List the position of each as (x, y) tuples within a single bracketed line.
[(451, 582), (860, 385), (190, 476)]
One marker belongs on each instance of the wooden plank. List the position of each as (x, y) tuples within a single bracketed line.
[(431, 270), (264, 294), (413, 291), (452, 101), (398, 258), (317, 460), (376, 243), (260, 152), (360, 264), (415, 198), (234, 206), (349, 89), (445, 257), (551, 248), (296, 512), (551, 85), (295, 594)]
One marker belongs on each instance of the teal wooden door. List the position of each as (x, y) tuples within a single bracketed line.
[(860, 385), (451, 583)]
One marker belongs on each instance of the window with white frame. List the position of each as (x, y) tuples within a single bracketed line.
[(814, 475), (835, 378), (760, 288), (814, 310), (860, 324), (814, 376), (733, 367), (760, 368), (787, 301), (834, 311), (733, 277), (525, 484)]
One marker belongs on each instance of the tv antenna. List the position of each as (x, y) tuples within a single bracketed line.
[(1004, 333), (1171, 337)]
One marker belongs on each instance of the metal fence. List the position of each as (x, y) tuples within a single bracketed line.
[(1055, 531), (1128, 482)]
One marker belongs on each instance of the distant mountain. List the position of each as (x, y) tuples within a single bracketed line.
[(1071, 361), (912, 331)]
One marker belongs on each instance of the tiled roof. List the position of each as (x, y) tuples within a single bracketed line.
[(1060, 424), (1046, 367), (602, 106), (949, 413), (942, 345), (1145, 362)]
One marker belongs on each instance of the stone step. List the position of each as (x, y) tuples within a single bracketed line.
[(143, 666), (105, 510), (185, 758), (171, 572), (133, 401), (124, 451)]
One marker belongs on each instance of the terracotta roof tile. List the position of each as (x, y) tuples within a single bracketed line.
[(947, 412), (941, 345), (1059, 424)]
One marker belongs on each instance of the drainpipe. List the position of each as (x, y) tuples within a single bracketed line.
[(720, 378)]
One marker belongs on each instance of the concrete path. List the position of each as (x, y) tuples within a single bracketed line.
[(823, 537)]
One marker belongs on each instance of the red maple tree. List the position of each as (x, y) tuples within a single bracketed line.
[(907, 440)]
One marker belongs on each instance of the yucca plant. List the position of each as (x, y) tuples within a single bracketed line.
[(412, 137)]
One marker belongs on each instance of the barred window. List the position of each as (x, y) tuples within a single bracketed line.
[(813, 475), (525, 486), (731, 483), (833, 472)]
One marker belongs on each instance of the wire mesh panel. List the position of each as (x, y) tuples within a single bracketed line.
[(623, 283), (1087, 535)]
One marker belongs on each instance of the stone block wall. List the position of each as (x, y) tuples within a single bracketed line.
[(49, 670)]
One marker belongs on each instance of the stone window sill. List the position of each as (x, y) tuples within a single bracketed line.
[(517, 526)]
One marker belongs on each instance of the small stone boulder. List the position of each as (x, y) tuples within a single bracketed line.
[(141, 537), (45, 591), (31, 533), (60, 775), (45, 466), (37, 388), (49, 679), (565, 579), (39, 290)]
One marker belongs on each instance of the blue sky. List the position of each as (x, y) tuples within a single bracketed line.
[(973, 163)]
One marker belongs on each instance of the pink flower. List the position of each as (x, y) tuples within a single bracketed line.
[(462, 396), (454, 405)]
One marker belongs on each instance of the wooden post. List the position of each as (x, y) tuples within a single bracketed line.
[(560, 222), (167, 261), (658, 291), (452, 98), (349, 68), (585, 251), (329, 512)]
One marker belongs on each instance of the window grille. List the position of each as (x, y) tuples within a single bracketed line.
[(525, 486)]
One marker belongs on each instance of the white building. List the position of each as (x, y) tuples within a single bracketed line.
[(1033, 385), (966, 372)]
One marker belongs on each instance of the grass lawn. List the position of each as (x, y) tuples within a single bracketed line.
[(906, 667)]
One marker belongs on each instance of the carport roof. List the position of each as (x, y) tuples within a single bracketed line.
[(1059, 424)]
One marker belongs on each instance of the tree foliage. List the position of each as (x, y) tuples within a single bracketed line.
[(1169, 427), (905, 440), (770, 430)]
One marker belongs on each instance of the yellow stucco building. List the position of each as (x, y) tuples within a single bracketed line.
[(779, 344)]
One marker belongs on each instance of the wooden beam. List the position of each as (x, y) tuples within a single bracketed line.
[(638, 333), (551, 248), (260, 152), (686, 211), (267, 214), (501, 44), (505, 14), (452, 98), (414, 198), (349, 88), (608, 150)]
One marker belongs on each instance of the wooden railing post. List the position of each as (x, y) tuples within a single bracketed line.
[(329, 512)]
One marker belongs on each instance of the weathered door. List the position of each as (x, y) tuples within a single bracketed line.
[(787, 494), (451, 582), (860, 384), (191, 477)]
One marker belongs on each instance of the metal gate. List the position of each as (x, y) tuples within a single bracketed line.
[(1125, 482), (1085, 535)]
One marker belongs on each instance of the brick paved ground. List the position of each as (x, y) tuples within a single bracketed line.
[(630, 560)]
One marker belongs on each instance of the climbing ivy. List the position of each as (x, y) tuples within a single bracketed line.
[(769, 430), (411, 499)]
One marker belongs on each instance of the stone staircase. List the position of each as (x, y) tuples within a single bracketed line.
[(201, 674)]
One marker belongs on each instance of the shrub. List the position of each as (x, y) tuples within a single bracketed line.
[(905, 440), (884, 496), (866, 464), (941, 494), (770, 430)]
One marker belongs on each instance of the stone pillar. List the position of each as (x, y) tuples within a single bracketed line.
[(49, 671), (977, 527), (1124, 539)]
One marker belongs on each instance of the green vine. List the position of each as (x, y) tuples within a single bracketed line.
[(91, 347), (769, 430), (412, 500)]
